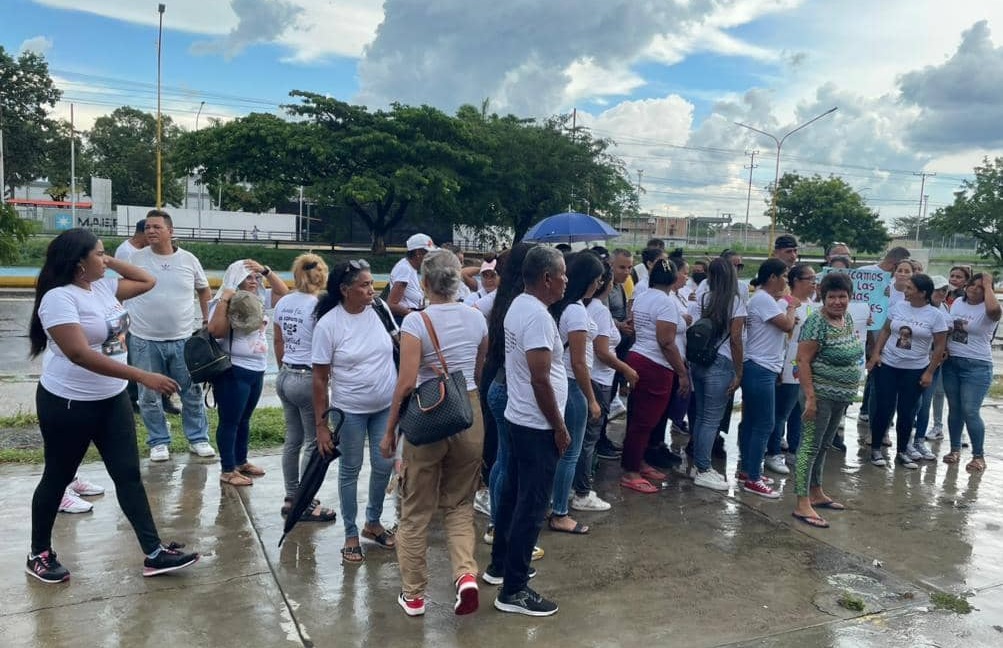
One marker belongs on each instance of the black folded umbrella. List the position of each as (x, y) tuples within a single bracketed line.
[(313, 477)]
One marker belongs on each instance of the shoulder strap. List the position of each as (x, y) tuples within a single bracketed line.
[(383, 312), (435, 341)]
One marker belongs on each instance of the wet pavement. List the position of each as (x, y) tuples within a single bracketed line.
[(684, 567)]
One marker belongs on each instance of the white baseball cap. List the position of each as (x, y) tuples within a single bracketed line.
[(940, 282), (420, 242)]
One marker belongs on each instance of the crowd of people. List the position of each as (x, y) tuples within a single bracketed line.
[(548, 343)]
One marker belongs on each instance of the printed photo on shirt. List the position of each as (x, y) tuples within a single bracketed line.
[(905, 338), (118, 325), (959, 332)]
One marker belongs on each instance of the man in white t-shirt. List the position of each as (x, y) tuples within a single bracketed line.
[(133, 244), (537, 387), (405, 285), (162, 321)]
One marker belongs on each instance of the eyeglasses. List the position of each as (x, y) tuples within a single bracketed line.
[(808, 278), (488, 274)]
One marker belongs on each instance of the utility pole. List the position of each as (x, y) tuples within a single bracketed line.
[(160, 180), (73, 169), (922, 187), (748, 201), (637, 217), (3, 178)]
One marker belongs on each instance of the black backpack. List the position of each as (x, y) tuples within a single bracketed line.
[(702, 343), (204, 357)]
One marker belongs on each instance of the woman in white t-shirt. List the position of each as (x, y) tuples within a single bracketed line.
[(679, 406), (79, 320), (906, 355), (485, 282), (771, 317), (968, 371), (242, 335), (442, 475), (353, 370), (294, 321), (577, 331), (658, 363)]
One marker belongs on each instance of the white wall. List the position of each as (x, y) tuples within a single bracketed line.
[(270, 226)]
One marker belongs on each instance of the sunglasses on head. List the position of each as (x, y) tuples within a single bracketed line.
[(358, 264)]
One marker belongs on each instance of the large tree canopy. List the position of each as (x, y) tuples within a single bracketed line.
[(26, 94), (977, 210), (824, 210)]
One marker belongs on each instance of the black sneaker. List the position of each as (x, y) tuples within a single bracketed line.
[(606, 450), (838, 444), (494, 576), (169, 559), (46, 568), (661, 457), (527, 602)]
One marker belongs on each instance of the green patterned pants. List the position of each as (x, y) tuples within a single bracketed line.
[(816, 437)]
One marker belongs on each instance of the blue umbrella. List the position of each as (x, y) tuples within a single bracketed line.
[(570, 227)]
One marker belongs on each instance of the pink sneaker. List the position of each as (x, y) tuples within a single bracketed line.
[(760, 488), (466, 594), (73, 504), (412, 607), (84, 487)]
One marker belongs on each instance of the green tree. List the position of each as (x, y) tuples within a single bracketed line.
[(977, 210), (905, 228), (123, 148), (27, 93), (57, 163), (822, 210), (14, 231)]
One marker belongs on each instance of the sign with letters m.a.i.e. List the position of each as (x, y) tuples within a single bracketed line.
[(870, 287)]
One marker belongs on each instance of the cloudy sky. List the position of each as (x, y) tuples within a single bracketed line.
[(918, 83)]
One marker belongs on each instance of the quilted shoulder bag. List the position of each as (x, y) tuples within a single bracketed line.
[(440, 406)]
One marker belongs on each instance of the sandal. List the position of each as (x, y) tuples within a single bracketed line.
[(287, 505), (652, 473), (317, 513), (952, 457), (251, 470), (640, 484), (235, 479), (384, 538), (811, 520), (352, 555), (829, 504), (976, 465), (579, 528)]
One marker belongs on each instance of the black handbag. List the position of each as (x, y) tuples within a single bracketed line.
[(440, 406)]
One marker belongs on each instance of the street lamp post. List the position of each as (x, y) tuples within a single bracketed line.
[(776, 177), (199, 185), (160, 34)]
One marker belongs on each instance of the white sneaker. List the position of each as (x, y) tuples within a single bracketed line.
[(863, 418), (906, 462), (617, 408), (878, 459), (934, 433), (913, 453), (489, 534), (777, 464), (160, 453), (590, 502), (711, 479), (201, 448), (83, 487), (71, 503), (482, 502), (924, 452)]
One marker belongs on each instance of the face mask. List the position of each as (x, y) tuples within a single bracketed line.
[(698, 277)]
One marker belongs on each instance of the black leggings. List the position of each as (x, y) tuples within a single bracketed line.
[(68, 428)]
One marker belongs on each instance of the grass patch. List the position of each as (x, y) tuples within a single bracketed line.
[(996, 388), (268, 430), (957, 604), (851, 602)]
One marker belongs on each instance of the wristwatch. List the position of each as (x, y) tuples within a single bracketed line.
[(266, 271)]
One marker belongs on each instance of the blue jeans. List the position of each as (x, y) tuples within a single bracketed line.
[(576, 414), (785, 402), (966, 383), (593, 430), (523, 502), (925, 400), (168, 358), (710, 396), (497, 402), (352, 440), (758, 416), (237, 392), (294, 388)]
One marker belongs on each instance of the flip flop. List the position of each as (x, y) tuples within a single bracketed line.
[(829, 504), (580, 529), (811, 520), (352, 555), (641, 485), (652, 473), (383, 538)]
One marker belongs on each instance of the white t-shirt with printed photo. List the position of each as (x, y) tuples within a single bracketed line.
[(764, 342), (602, 373), (294, 316), (576, 318), (247, 351), (528, 327), (359, 351), (167, 311), (460, 330), (970, 333), (650, 308), (404, 272), (789, 375), (911, 339), (105, 323)]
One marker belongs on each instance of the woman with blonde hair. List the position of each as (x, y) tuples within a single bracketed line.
[(294, 321)]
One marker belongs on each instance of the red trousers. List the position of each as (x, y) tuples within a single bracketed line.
[(646, 406)]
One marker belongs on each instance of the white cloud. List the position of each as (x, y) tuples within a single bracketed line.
[(37, 44), (257, 22)]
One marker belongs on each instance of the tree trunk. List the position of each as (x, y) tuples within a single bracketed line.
[(379, 244)]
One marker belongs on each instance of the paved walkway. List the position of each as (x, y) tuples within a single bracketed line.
[(684, 567)]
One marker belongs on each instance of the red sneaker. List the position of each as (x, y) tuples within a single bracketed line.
[(742, 476), (466, 594), (760, 488), (412, 606)]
